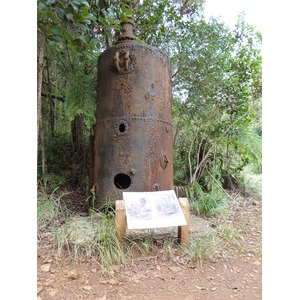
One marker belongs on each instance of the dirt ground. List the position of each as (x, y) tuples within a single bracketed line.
[(234, 274)]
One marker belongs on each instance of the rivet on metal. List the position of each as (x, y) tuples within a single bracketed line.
[(164, 161)]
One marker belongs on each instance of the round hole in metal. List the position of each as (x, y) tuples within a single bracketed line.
[(122, 127), (122, 181)]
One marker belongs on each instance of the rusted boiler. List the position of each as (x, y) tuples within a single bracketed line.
[(134, 136)]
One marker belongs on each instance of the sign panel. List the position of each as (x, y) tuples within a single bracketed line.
[(153, 210)]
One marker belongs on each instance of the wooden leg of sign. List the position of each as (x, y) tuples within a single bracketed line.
[(120, 219), (184, 231)]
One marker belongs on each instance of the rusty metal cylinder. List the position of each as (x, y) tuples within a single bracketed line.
[(134, 136)]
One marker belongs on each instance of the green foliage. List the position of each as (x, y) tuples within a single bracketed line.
[(216, 77), (58, 153), (248, 144), (206, 203), (217, 83), (50, 210), (250, 181), (81, 98)]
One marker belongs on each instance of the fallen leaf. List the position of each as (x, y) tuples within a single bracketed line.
[(72, 274)]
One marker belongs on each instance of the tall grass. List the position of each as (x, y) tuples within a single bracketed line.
[(50, 211), (92, 237), (95, 237), (206, 203), (215, 242)]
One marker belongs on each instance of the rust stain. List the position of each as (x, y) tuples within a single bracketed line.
[(133, 136)]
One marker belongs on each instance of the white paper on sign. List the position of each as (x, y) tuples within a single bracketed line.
[(153, 210)]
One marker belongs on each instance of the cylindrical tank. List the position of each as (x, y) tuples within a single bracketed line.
[(133, 136)]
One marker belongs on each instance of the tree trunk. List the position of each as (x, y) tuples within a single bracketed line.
[(39, 85), (51, 99), (91, 160), (77, 130), (227, 182), (42, 148)]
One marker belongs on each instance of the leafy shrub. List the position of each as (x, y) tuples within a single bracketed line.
[(206, 203)]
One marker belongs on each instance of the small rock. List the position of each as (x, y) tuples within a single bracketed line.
[(214, 289), (257, 263), (87, 287), (113, 281), (72, 274), (175, 269), (94, 270), (45, 268), (52, 293)]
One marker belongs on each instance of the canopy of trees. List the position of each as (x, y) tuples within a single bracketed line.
[(216, 75)]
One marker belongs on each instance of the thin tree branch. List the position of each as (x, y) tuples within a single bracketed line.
[(212, 147), (60, 98)]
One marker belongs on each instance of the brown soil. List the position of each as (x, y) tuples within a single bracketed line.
[(233, 274)]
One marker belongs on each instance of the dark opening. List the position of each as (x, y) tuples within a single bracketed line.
[(122, 181), (122, 127)]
